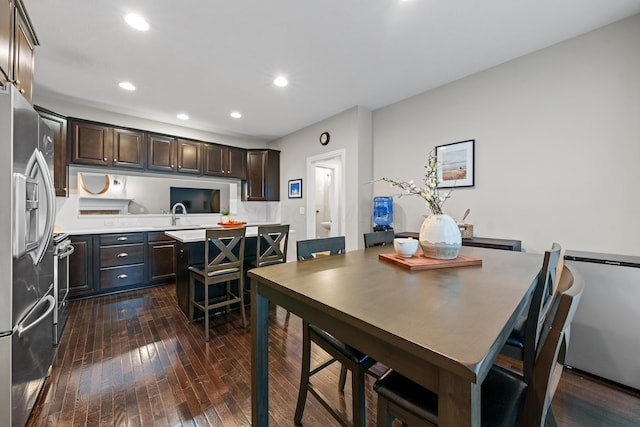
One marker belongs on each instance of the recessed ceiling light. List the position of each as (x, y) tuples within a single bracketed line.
[(182, 116), (235, 114), (280, 81), (127, 86), (137, 22)]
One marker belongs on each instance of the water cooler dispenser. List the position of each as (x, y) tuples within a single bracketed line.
[(382, 213)]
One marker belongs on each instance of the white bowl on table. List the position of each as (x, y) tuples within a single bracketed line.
[(405, 246)]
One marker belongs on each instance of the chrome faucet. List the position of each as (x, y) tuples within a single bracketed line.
[(173, 212)]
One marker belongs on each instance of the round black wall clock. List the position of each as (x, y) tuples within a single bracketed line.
[(324, 138)]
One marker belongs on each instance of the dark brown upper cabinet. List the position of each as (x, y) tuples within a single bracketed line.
[(189, 156), (263, 175), (24, 44), (228, 162), (128, 148), (58, 125), (161, 153), (6, 35), (91, 143), (17, 47), (102, 145)]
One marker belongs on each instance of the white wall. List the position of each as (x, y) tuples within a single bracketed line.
[(351, 131), (557, 144)]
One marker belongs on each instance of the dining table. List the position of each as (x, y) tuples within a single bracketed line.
[(442, 328)]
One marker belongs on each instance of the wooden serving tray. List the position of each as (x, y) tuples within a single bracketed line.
[(420, 262)]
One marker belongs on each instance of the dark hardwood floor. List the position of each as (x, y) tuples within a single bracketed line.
[(132, 359)]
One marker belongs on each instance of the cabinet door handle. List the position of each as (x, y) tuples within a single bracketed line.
[(122, 255), (122, 276), (171, 165), (115, 160), (105, 159), (17, 82), (21, 91), (122, 238)]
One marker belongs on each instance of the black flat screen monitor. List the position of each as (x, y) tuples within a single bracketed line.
[(196, 200)]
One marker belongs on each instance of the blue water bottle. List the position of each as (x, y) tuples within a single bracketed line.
[(382, 213)]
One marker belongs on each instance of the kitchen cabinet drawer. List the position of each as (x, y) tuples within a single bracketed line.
[(121, 239), (119, 277), (113, 256)]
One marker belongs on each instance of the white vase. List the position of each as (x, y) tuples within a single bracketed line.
[(224, 219), (440, 237)]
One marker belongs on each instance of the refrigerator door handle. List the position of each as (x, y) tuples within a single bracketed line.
[(37, 163), (21, 329)]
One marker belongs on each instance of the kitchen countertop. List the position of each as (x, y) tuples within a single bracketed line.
[(252, 227), (191, 236)]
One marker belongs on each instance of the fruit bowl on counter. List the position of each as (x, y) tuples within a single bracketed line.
[(232, 224)]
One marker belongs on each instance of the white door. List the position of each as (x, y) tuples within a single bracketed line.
[(325, 202)]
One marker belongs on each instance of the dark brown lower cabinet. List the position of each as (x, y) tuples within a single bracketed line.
[(81, 277), (161, 258), (106, 263)]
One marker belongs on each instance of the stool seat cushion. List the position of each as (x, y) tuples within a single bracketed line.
[(201, 272)]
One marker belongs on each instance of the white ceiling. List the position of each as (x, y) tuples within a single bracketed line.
[(209, 57)]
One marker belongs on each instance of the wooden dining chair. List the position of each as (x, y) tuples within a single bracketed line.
[(523, 341), (507, 400), (350, 358), (379, 238), (224, 258), (312, 247)]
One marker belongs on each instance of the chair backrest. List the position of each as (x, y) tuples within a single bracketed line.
[(542, 295), (545, 289), (224, 250), (379, 238), (308, 248), (271, 244), (554, 341)]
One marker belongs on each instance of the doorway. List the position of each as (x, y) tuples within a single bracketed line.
[(326, 199)]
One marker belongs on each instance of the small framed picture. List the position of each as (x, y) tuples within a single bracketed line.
[(456, 164), (295, 188)]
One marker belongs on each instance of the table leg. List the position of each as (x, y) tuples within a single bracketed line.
[(458, 401), (259, 357)]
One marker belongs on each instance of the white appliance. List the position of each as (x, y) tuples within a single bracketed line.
[(26, 256), (604, 333)]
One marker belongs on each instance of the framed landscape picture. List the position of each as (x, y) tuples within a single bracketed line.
[(456, 164), (295, 188)]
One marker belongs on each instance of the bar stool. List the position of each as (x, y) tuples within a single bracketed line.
[(271, 245), (224, 258)]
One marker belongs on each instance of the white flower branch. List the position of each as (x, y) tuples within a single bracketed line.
[(429, 192)]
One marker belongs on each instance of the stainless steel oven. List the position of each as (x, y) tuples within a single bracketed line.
[(62, 250)]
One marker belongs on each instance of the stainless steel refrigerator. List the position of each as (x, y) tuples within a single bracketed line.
[(27, 211)]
